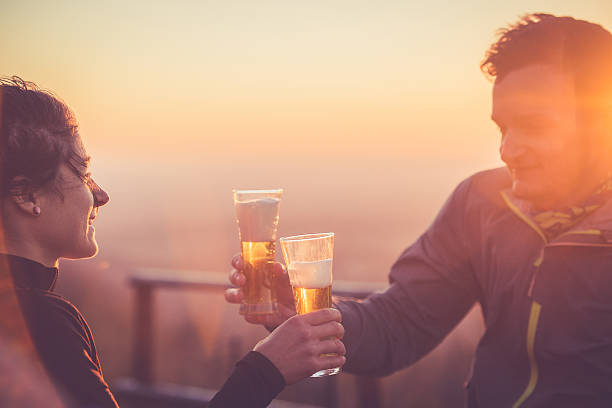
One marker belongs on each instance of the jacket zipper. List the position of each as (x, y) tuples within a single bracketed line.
[(534, 314)]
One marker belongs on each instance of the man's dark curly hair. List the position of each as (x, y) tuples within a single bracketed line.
[(38, 133), (579, 47)]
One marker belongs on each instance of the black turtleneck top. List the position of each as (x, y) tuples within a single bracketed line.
[(66, 347)]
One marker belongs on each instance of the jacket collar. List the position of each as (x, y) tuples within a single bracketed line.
[(600, 219), (28, 274), (595, 227)]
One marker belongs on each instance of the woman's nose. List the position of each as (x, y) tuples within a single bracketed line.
[(100, 196)]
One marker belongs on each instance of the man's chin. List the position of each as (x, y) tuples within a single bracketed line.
[(534, 196), (521, 190)]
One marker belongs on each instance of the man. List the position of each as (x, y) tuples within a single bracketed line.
[(532, 243)]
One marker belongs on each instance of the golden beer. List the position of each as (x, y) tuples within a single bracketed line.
[(258, 267), (257, 217), (310, 299), (309, 266)]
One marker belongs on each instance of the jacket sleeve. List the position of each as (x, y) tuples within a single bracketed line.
[(432, 287), (254, 383)]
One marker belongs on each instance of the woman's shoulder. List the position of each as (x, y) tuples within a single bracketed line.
[(51, 315)]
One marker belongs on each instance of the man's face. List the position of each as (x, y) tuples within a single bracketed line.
[(535, 109)]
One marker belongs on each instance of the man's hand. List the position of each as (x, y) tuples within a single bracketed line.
[(286, 306), (297, 346)]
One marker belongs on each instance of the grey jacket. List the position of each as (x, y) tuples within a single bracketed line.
[(547, 305)]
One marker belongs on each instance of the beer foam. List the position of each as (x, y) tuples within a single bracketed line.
[(258, 219), (311, 275)]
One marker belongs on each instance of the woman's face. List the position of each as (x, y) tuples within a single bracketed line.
[(68, 222)]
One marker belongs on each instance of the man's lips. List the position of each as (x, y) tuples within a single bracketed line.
[(517, 171)]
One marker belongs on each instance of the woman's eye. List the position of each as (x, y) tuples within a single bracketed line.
[(86, 178)]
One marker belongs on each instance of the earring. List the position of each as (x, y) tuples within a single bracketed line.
[(36, 210)]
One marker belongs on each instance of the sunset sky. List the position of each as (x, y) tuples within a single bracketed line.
[(367, 114), (207, 78)]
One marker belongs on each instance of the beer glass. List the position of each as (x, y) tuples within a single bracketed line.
[(309, 265), (257, 217)]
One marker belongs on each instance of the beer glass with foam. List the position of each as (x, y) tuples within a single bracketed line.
[(257, 217), (309, 265)]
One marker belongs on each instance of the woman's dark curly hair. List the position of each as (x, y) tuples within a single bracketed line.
[(38, 133)]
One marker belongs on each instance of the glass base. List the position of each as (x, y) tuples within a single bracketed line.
[(258, 308), (325, 373)]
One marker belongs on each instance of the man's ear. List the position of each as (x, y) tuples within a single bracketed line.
[(23, 195)]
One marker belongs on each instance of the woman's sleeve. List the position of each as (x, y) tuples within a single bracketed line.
[(254, 383), (66, 348)]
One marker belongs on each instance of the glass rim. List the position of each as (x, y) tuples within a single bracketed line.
[(307, 237), (251, 191)]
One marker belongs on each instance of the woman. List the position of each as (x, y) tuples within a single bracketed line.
[(48, 208)]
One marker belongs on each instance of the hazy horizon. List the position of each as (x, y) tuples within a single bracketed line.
[(367, 114)]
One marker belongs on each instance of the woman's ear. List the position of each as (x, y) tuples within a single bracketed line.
[(23, 195)]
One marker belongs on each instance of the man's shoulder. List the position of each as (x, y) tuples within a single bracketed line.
[(490, 181), (485, 186), (496, 179)]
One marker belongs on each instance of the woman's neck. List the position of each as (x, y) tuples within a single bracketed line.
[(26, 250)]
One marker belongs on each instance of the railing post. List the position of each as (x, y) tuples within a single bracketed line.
[(331, 392), (368, 391), (143, 338), (234, 352)]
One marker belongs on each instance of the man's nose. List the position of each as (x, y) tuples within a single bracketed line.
[(511, 148)]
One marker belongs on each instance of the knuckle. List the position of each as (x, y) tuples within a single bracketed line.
[(339, 329), (303, 332), (313, 350), (341, 348), (313, 363)]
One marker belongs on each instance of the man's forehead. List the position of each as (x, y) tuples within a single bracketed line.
[(533, 89)]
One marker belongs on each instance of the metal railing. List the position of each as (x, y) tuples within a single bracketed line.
[(146, 281)]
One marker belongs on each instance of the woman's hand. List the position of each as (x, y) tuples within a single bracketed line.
[(286, 306), (298, 346)]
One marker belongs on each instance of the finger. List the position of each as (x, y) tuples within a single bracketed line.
[(237, 262), (286, 311), (237, 278), (271, 322), (283, 288), (325, 362), (233, 295), (331, 346), (279, 270), (329, 329), (255, 319), (281, 275), (323, 316)]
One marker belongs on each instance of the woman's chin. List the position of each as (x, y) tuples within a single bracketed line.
[(89, 250), (92, 248)]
